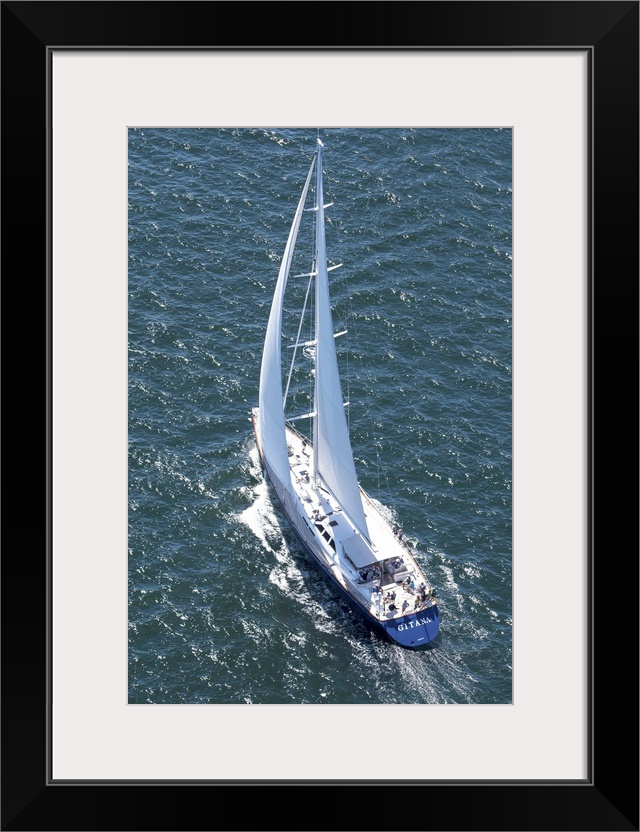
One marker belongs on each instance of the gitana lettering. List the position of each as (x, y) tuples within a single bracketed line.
[(413, 623)]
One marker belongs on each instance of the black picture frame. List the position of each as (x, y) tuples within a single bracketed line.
[(608, 798)]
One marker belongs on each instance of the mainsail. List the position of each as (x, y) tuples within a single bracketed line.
[(333, 457), (272, 433)]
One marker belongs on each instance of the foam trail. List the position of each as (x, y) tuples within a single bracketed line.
[(260, 516)]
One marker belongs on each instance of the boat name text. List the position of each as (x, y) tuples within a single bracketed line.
[(413, 623)]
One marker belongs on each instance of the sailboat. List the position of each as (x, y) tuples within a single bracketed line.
[(358, 550)]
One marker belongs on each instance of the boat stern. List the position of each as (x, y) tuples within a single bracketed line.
[(414, 631)]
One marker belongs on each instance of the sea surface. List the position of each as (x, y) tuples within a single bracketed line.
[(224, 605)]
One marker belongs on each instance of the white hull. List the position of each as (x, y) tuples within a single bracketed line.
[(328, 533)]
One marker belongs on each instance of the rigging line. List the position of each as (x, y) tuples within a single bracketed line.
[(311, 274), (297, 341)]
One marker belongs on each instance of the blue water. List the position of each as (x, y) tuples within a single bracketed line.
[(224, 606)]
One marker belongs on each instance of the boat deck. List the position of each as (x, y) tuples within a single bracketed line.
[(390, 584)]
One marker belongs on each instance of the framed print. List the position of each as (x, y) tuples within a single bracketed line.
[(152, 148)]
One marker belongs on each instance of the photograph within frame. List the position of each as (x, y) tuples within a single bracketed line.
[(223, 607)]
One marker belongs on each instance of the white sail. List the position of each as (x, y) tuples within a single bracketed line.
[(333, 457), (271, 414)]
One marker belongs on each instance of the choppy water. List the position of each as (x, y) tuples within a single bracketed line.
[(224, 606)]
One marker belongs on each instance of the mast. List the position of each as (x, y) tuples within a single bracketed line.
[(332, 453), (320, 257)]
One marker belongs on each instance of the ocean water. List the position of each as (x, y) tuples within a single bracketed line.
[(224, 605)]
